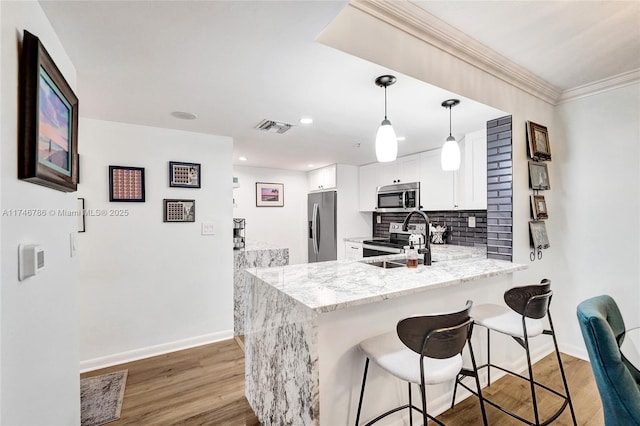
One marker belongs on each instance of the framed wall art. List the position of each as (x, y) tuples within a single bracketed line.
[(48, 123), (179, 210), (81, 227), (539, 207), (184, 175), (539, 237), (538, 176), (269, 194), (126, 184), (538, 138)]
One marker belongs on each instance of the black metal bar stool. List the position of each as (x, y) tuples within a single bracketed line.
[(522, 320), (425, 350)]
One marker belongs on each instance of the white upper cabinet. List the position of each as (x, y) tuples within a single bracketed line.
[(322, 179), (471, 180), (436, 185), (403, 170)]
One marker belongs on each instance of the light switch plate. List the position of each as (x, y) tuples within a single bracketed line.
[(72, 244), (472, 221), (208, 228)]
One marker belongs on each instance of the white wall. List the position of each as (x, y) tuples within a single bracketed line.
[(284, 227), (569, 172), (593, 202), (351, 222), (148, 286), (38, 316)]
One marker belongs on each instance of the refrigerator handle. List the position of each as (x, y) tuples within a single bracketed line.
[(314, 228)]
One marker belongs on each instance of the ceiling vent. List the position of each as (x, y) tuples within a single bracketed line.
[(273, 126)]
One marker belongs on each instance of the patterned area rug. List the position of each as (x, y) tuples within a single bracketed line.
[(101, 398)]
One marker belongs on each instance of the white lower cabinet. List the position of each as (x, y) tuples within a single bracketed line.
[(352, 250)]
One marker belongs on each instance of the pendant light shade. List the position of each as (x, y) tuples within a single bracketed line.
[(386, 140), (450, 155)]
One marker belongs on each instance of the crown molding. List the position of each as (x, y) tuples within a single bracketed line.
[(414, 20), (604, 85)]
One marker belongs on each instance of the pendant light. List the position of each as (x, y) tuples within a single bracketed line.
[(386, 140), (450, 155)]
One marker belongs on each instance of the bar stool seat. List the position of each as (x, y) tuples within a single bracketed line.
[(521, 320), (505, 320), (424, 350), (393, 356)]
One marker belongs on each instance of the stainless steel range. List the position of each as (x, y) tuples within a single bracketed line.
[(396, 243)]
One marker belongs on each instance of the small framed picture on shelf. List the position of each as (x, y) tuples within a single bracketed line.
[(126, 184), (539, 207), (269, 194), (184, 175), (538, 138), (538, 176), (538, 234), (179, 210)]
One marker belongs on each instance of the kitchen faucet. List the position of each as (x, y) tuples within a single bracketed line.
[(427, 238)]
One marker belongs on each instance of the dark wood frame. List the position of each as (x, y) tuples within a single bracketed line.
[(34, 59), (133, 200), (538, 234), (533, 165), (165, 203), (538, 149), (536, 212), (278, 203), (183, 185), (81, 222)]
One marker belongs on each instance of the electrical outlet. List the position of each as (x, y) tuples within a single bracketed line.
[(472, 221), (208, 228), (378, 219)]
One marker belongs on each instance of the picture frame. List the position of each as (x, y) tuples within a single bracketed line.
[(179, 210), (538, 235), (539, 207), (538, 176), (81, 223), (126, 184), (48, 121), (538, 141), (269, 194), (184, 175)]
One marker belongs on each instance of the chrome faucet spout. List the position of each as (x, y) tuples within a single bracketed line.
[(427, 236)]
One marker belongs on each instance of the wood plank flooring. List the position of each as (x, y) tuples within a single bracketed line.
[(205, 386)]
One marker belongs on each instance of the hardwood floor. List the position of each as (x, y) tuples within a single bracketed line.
[(205, 386)]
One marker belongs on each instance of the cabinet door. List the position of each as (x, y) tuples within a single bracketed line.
[(322, 179), (409, 168), (368, 187), (436, 185), (389, 173), (471, 183), (352, 250)]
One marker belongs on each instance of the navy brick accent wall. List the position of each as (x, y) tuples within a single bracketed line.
[(456, 221), (499, 189)]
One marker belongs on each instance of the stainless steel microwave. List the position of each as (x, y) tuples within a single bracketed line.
[(403, 197)]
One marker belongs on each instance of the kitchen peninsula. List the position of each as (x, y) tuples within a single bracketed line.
[(304, 323)]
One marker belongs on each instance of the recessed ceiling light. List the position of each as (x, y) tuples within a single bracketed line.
[(401, 138), (242, 158), (182, 115), (309, 165), (306, 120)]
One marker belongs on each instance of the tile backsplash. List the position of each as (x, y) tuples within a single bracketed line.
[(456, 221)]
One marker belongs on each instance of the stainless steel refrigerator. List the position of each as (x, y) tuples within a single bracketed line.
[(321, 210)]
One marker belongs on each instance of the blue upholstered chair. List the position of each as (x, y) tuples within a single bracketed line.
[(618, 381)]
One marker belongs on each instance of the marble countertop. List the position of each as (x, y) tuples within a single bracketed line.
[(329, 286), (258, 245)]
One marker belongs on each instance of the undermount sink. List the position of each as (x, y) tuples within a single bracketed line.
[(389, 264)]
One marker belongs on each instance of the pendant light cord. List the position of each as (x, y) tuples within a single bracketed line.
[(385, 102), (449, 121)]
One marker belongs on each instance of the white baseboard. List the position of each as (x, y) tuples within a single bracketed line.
[(137, 354), (574, 351)]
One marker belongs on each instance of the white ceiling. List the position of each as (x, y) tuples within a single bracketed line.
[(235, 63)]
